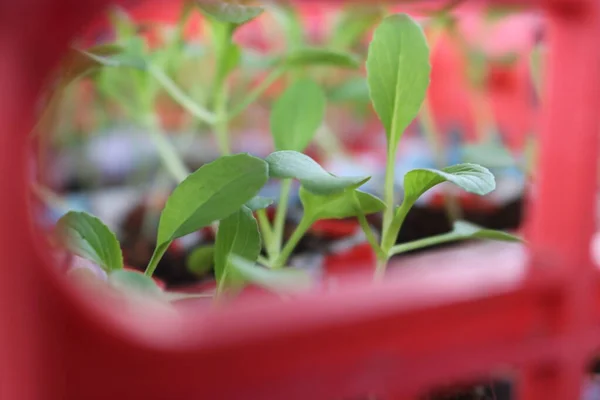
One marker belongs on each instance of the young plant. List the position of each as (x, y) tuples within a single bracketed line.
[(226, 190)]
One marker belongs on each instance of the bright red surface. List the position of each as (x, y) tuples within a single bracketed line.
[(415, 330)]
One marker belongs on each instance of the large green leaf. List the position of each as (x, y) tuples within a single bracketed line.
[(297, 115), (238, 234), (213, 192), (398, 74), (86, 236), (277, 280), (470, 177), (314, 56), (230, 11), (291, 164), (340, 205)]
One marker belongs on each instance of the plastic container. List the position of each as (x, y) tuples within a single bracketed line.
[(540, 317)]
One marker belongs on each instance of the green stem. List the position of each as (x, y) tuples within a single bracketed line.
[(364, 224), (180, 97), (279, 224), (266, 231), (388, 214), (391, 234), (303, 226), (426, 242), (256, 92), (221, 125), (166, 151)]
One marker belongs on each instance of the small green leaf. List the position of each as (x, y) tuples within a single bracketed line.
[(314, 56), (86, 236), (291, 164), (340, 205), (297, 115), (277, 280), (133, 282), (238, 234), (470, 177), (201, 260), (398, 74), (230, 11), (466, 230), (258, 203), (213, 192)]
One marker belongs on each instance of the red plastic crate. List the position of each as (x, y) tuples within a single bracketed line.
[(416, 330)]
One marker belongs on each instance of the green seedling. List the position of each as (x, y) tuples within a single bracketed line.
[(226, 190)]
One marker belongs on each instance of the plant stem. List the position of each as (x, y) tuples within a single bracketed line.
[(426, 242), (180, 97), (166, 151), (364, 224), (221, 125), (279, 224), (388, 214), (391, 234), (303, 226), (256, 92), (266, 231)]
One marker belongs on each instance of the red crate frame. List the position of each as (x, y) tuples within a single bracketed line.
[(57, 344)]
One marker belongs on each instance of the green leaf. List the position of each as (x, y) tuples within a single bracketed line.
[(133, 282), (258, 203), (490, 154), (229, 11), (86, 236), (466, 230), (314, 56), (201, 260), (291, 164), (238, 234), (470, 177), (277, 280), (340, 205), (213, 192), (297, 115), (398, 74)]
